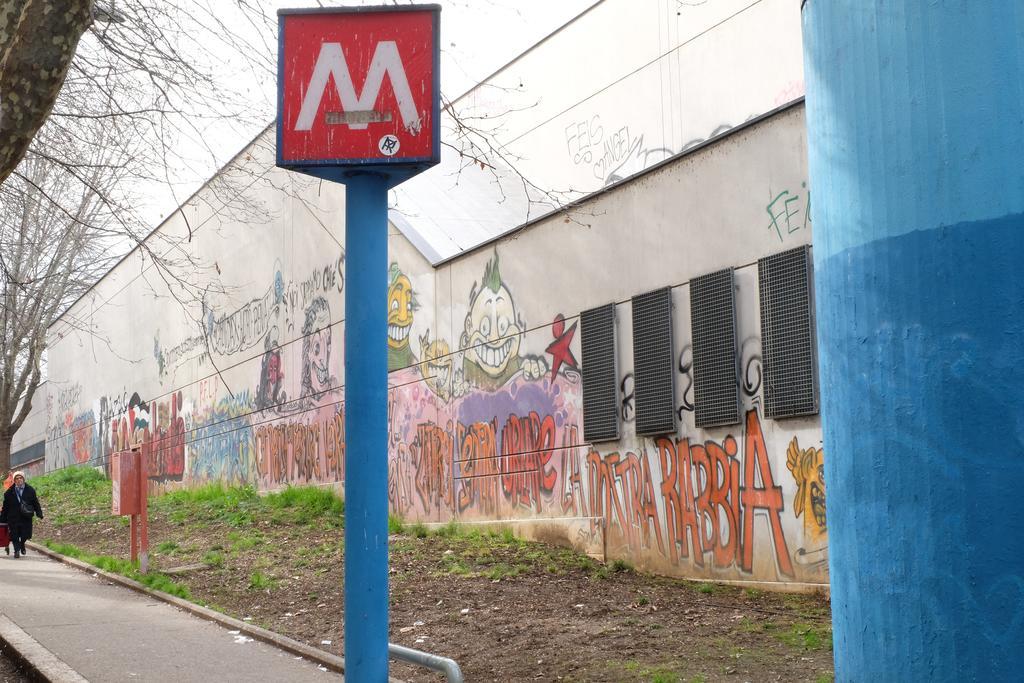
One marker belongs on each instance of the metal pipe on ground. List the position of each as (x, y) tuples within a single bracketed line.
[(449, 667)]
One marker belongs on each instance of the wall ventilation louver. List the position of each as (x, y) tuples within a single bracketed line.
[(716, 392), (600, 381), (787, 334), (653, 362)]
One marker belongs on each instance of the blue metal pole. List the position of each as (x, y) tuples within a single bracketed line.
[(915, 138), (366, 464)]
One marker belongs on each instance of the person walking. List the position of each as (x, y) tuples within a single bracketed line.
[(20, 503)]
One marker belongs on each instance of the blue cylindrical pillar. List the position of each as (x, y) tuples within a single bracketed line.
[(915, 118), (366, 413)]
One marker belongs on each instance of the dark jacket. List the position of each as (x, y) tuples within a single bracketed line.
[(11, 510)]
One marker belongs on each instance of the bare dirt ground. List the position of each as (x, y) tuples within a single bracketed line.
[(9, 671), (505, 609)]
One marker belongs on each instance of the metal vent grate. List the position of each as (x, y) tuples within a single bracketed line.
[(600, 384), (787, 334), (716, 392), (652, 362)]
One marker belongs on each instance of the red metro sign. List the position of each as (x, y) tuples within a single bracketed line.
[(358, 88)]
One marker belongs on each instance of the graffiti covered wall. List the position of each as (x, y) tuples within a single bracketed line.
[(493, 430), (227, 368), (485, 404)]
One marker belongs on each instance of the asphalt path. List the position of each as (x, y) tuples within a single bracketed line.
[(106, 632)]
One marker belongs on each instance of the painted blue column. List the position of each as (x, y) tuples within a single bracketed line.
[(366, 413), (915, 117)]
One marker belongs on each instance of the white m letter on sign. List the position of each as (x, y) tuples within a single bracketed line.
[(331, 62)]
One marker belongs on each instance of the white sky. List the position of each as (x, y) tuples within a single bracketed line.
[(477, 38)]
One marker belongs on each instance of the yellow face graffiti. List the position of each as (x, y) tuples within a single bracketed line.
[(492, 330), (808, 468), (399, 312)]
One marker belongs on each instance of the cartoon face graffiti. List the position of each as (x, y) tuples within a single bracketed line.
[(493, 331), (437, 366), (399, 312), (808, 468), (401, 304), (492, 335), (271, 378), (316, 349), (492, 328), (319, 356)]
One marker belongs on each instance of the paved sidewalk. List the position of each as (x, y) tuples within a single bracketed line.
[(107, 632)]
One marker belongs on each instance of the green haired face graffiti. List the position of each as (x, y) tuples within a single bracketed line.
[(492, 335)]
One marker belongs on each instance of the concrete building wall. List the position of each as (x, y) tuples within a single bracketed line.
[(29, 443), (628, 84), (622, 87), (485, 411)]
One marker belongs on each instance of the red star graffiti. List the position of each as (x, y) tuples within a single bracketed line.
[(561, 348)]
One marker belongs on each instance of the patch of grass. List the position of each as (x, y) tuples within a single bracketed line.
[(510, 538), (806, 637), (167, 547), (825, 678), (449, 530), (214, 495), (643, 600), (327, 549), (259, 581), (621, 566), (570, 559), (160, 582), (706, 587), (74, 494), (658, 674), (234, 505), (419, 530), (309, 504), (481, 555), (753, 593), (601, 573), (395, 525), (455, 565), (214, 558), (749, 626), (242, 506), (116, 565), (241, 542), (504, 571), (79, 476)]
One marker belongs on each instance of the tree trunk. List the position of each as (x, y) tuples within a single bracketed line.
[(38, 39), (5, 452)]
